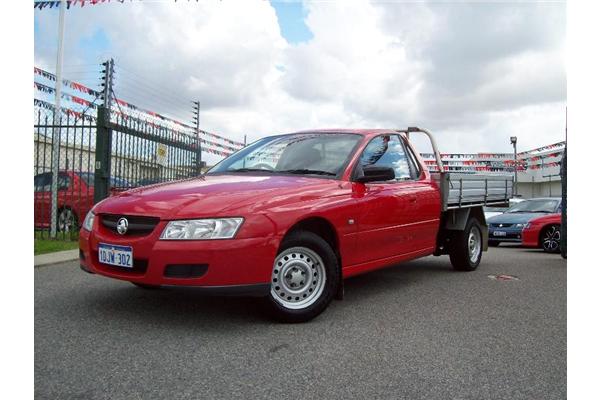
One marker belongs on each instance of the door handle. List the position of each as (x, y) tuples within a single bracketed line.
[(412, 199)]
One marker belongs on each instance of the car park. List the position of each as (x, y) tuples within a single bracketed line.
[(508, 226), (290, 216), (493, 211), (543, 232)]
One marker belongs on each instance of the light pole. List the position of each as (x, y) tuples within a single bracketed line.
[(57, 118), (513, 141)]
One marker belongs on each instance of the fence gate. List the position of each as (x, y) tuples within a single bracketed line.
[(132, 152)]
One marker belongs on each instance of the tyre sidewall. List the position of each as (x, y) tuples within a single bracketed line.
[(459, 256)]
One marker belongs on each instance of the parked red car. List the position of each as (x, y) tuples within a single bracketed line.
[(290, 216), (543, 232), (75, 198)]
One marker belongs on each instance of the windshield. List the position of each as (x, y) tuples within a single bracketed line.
[(541, 205), (304, 153)]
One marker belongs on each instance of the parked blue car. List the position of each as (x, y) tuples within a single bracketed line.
[(508, 227)]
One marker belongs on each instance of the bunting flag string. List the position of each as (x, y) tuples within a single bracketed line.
[(67, 83), (543, 148), (66, 96), (55, 3), (233, 145), (173, 135)]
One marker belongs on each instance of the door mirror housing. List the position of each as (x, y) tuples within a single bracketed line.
[(372, 173)]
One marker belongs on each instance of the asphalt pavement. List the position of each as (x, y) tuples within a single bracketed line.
[(418, 330)]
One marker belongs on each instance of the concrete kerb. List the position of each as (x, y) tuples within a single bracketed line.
[(58, 257)]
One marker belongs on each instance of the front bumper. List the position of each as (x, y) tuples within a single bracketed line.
[(508, 235), (530, 237), (239, 266)]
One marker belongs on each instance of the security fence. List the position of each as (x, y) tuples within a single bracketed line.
[(98, 156)]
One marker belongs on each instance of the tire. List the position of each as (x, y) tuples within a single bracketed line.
[(550, 239), (466, 247), (493, 244), (145, 286), (292, 298)]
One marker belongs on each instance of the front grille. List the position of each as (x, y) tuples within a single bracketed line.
[(138, 226), (501, 225)]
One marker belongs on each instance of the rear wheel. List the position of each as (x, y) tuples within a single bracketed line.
[(550, 239), (304, 278), (466, 247)]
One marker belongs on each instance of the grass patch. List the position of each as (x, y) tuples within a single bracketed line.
[(44, 245)]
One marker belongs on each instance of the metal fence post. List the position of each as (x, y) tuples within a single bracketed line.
[(103, 150), (563, 218), (196, 120)]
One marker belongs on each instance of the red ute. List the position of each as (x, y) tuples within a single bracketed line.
[(543, 232), (287, 217)]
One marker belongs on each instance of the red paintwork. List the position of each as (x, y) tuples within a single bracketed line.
[(392, 222), (531, 234), (79, 197)]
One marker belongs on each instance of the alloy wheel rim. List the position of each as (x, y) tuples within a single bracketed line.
[(65, 220), (474, 244), (298, 278), (551, 239)]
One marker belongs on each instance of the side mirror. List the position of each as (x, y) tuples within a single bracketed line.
[(372, 173)]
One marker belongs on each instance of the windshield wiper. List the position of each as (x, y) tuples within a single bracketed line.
[(308, 171), (249, 170)]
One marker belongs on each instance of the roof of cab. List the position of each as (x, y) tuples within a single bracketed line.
[(364, 132)]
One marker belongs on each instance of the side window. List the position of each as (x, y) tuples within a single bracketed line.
[(42, 182), (415, 169), (387, 151), (63, 181)]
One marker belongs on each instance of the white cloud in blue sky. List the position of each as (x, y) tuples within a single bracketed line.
[(475, 73)]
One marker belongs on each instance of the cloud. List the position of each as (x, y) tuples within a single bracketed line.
[(473, 73)]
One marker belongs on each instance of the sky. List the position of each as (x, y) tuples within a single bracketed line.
[(473, 73)]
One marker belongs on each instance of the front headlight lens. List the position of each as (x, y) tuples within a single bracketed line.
[(202, 229), (521, 226), (88, 222)]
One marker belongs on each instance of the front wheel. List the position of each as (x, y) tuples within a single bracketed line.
[(551, 239), (466, 247), (304, 278)]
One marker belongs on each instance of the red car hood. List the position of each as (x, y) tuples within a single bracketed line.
[(216, 195)]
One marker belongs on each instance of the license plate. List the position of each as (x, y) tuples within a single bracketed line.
[(112, 254), (499, 233)]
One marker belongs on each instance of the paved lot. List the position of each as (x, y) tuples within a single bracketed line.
[(415, 331)]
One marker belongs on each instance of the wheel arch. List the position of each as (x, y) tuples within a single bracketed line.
[(323, 228)]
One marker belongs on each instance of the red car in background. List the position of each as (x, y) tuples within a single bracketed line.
[(543, 232), (75, 198)]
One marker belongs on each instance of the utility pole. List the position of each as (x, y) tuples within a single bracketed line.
[(57, 119), (196, 121), (104, 135), (513, 141)]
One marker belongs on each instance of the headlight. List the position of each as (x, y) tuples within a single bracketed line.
[(88, 222), (527, 225), (520, 226), (202, 229)]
